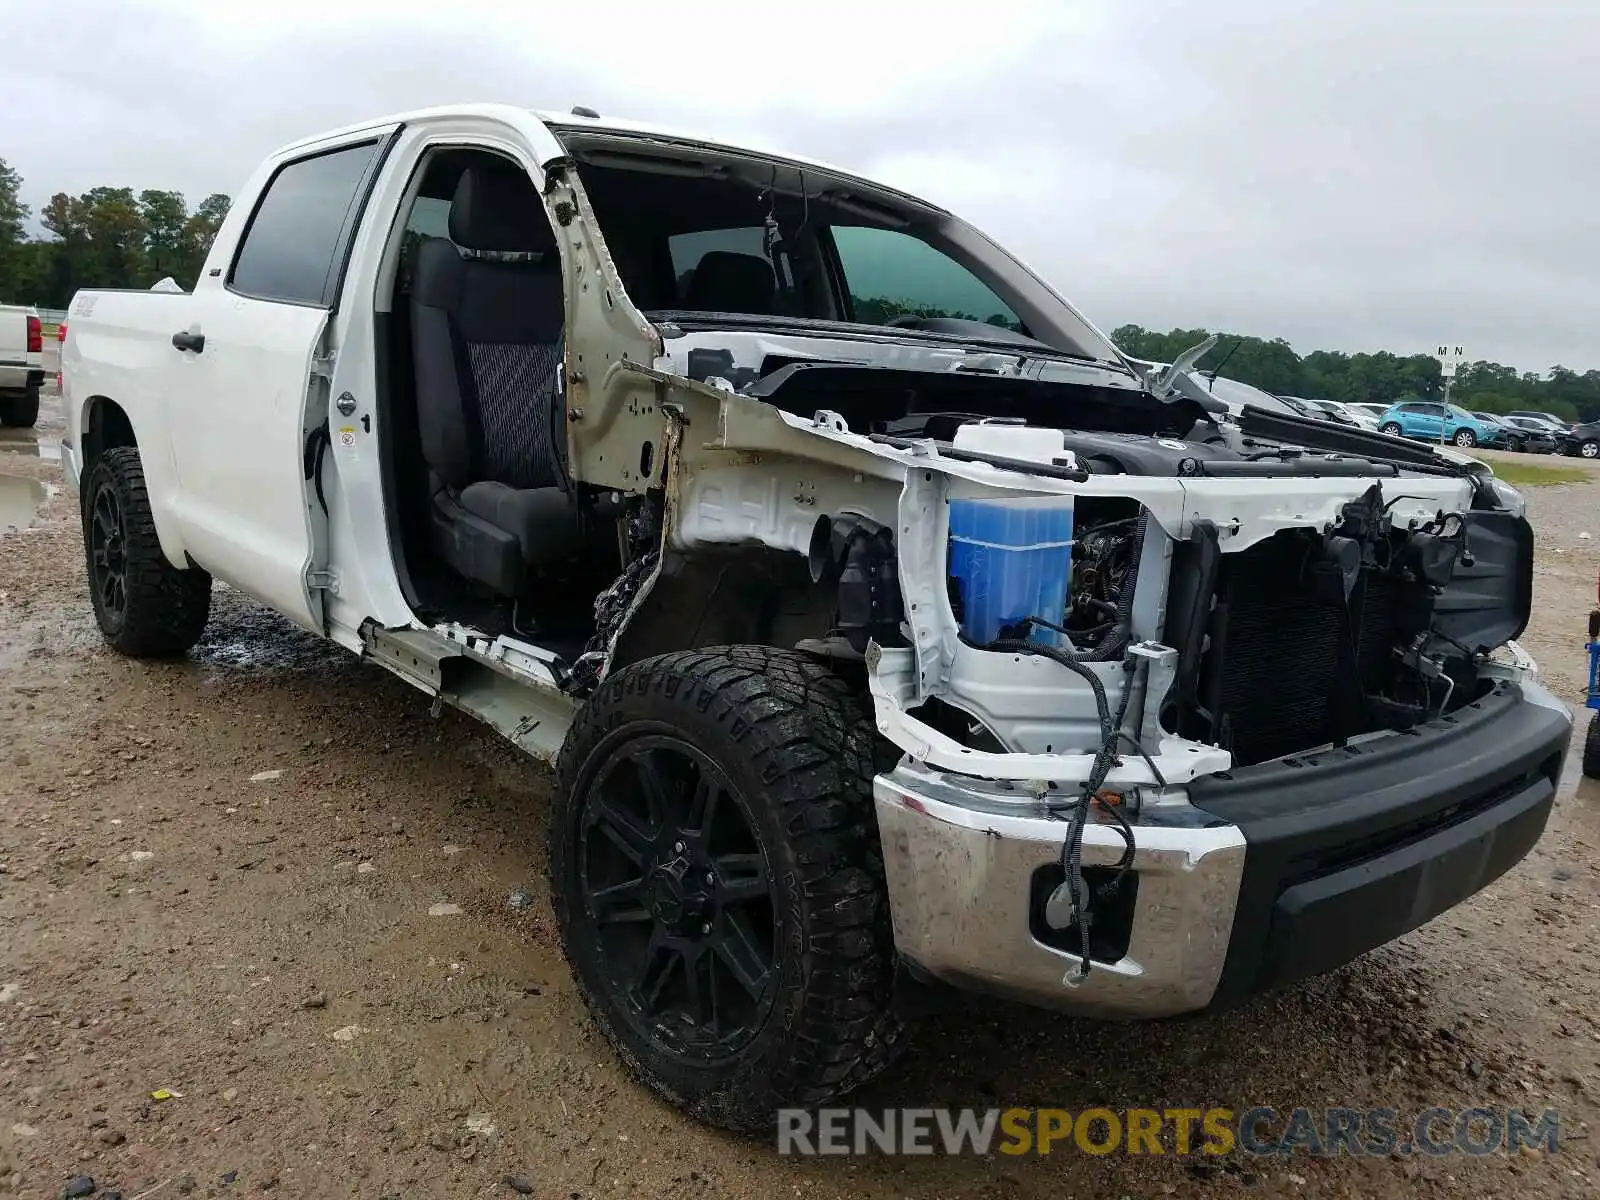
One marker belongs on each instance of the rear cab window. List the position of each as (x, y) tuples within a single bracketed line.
[(294, 247)]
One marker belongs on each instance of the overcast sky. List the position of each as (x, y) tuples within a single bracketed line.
[(1345, 174)]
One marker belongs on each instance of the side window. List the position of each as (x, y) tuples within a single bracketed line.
[(891, 274), (294, 246)]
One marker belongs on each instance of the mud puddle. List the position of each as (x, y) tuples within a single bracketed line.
[(21, 500)]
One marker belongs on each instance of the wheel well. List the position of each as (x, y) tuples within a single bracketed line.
[(744, 595), (105, 426)]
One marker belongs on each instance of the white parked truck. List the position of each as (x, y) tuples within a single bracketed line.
[(882, 621), (21, 364)]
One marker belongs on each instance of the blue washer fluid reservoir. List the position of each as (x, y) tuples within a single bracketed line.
[(1011, 558)]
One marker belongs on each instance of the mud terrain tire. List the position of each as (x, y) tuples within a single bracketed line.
[(146, 607), (786, 750)]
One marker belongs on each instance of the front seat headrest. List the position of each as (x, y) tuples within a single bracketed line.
[(498, 208), (728, 282)]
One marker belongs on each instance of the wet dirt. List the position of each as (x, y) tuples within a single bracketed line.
[(20, 501), (216, 878)]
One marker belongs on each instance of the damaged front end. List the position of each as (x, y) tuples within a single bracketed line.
[(1185, 708)]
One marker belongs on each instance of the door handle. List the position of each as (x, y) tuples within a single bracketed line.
[(184, 340)]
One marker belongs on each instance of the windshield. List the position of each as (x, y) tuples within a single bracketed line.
[(704, 234)]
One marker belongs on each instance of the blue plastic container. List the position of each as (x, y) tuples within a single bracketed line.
[(1011, 559)]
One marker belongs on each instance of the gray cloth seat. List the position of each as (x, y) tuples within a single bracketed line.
[(725, 281), (486, 329)]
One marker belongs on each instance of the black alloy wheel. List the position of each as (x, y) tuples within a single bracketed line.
[(108, 563), (679, 897), (145, 606), (718, 882)]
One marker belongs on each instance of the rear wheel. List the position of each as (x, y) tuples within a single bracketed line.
[(718, 882), (1392, 428), (20, 410), (1465, 438), (145, 606), (1590, 449)]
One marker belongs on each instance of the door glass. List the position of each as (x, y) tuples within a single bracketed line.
[(891, 274), (294, 246)]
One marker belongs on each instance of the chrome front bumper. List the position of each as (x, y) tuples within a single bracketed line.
[(1257, 877), (961, 861)]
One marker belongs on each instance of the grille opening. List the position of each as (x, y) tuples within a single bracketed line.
[(1287, 666)]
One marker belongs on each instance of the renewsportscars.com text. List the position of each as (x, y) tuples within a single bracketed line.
[(1375, 1132)]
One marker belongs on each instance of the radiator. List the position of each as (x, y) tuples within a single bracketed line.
[(1272, 671)]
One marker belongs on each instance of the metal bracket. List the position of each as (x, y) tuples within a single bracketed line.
[(921, 541), (1161, 670), (323, 364), (323, 581)]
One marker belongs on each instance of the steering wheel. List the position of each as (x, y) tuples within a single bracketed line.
[(905, 321)]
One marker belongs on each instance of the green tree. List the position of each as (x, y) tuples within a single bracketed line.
[(199, 231), (164, 215), (13, 228)]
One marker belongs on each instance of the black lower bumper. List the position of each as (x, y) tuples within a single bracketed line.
[(1350, 848)]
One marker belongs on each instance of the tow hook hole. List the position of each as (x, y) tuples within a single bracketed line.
[(647, 459)]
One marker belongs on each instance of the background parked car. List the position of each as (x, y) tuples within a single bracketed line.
[(1549, 419), (1582, 440), (1236, 395), (1530, 441), (1345, 414), (1539, 427), (1422, 419), (1375, 411)]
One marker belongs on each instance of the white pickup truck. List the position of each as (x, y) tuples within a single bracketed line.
[(883, 622), (21, 364)]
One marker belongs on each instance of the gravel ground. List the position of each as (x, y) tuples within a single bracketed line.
[(216, 877)]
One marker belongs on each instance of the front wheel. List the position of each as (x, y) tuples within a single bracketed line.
[(1465, 438), (718, 882), (1590, 449), (145, 606)]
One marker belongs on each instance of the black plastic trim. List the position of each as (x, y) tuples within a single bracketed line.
[(1323, 435), (1350, 848)]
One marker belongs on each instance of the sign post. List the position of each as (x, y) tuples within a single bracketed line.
[(1450, 360)]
